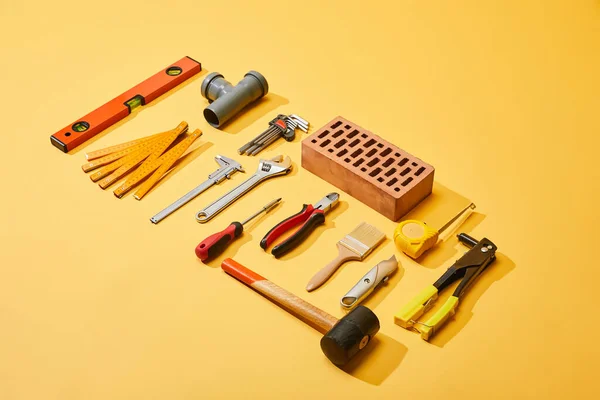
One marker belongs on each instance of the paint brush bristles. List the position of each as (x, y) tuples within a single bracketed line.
[(363, 239)]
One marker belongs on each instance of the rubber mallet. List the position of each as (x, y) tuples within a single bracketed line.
[(343, 338)]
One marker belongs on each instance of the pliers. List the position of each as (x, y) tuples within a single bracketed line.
[(309, 217), (467, 268)]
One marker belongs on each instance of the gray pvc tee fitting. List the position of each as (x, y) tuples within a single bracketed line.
[(228, 100)]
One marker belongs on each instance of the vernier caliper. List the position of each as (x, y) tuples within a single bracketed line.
[(227, 168)]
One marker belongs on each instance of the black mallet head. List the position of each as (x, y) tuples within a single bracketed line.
[(350, 335)]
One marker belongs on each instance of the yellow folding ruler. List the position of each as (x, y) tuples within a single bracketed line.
[(149, 157)]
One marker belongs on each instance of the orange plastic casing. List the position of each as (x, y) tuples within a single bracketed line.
[(115, 110)]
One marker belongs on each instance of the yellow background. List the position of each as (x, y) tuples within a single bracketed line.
[(502, 97)]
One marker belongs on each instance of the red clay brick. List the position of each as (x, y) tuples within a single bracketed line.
[(370, 169)]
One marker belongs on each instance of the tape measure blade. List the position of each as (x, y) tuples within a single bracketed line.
[(167, 161), (151, 163)]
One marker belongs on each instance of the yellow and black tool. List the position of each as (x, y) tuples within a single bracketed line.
[(467, 268), (415, 237)]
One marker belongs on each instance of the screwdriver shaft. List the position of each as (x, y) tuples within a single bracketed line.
[(265, 209)]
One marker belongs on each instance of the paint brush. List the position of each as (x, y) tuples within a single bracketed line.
[(354, 246)]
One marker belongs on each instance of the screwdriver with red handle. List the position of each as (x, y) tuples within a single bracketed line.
[(215, 244)]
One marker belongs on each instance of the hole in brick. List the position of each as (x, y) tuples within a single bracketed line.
[(380, 179), (325, 143), (354, 143), (352, 134), (340, 143), (375, 172), (372, 152), (369, 143), (391, 172), (314, 141), (392, 181), (405, 171), (414, 164), (338, 133), (336, 125), (341, 153), (386, 152), (346, 159), (356, 153), (364, 136), (389, 162), (397, 154), (323, 134), (397, 189), (373, 162), (407, 181), (404, 161), (330, 150), (363, 169), (380, 145), (356, 164), (419, 171), (347, 127)]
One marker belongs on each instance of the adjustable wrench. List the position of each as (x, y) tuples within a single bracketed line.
[(227, 168), (276, 166)]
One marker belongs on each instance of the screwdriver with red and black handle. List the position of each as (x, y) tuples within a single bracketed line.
[(215, 244)]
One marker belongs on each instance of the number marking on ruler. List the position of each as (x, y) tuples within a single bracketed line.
[(156, 167), (117, 154), (93, 155), (151, 153)]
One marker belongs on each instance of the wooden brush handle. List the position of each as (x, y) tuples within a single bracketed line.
[(344, 254), (310, 314)]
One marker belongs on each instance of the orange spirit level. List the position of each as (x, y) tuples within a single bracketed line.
[(118, 108)]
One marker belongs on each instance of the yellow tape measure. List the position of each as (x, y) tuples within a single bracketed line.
[(146, 156), (415, 237)]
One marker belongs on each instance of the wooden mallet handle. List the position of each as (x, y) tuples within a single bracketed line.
[(310, 314), (342, 338)]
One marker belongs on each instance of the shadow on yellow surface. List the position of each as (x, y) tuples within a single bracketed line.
[(377, 361), (252, 113), (136, 111), (494, 272)]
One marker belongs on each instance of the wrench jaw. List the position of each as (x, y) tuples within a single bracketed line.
[(277, 165)]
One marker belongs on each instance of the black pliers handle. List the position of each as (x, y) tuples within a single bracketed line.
[(308, 218)]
